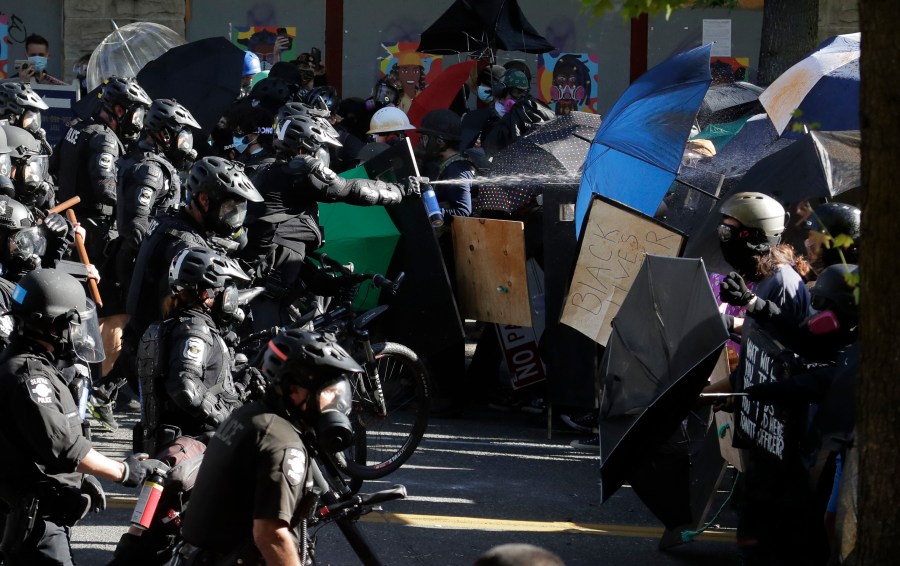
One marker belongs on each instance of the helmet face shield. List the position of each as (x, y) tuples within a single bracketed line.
[(35, 169), (85, 335), (31, 121), (27, 243), (184, 140)]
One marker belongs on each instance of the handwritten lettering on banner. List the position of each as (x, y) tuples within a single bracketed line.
[(762, 426), (613, 244)]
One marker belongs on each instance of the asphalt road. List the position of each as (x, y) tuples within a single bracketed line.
[(479, 480)]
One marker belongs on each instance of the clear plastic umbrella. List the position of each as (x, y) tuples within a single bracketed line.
[(127, 49)]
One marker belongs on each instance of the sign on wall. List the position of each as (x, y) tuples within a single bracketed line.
[(614, 242)]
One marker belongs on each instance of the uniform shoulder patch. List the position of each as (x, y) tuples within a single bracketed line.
[(293, 466), (194, 350), (106, 161), (40, 390), (146, 196)]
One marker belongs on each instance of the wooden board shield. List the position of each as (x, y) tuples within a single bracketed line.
[(614, 241), (490, 270)]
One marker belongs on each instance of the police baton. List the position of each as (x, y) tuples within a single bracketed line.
[(64, 205), (82, 252)]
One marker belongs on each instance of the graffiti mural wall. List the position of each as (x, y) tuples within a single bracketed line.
[(569, 81), (411, 69)]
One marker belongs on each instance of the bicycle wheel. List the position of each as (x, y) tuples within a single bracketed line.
[(383, 442)]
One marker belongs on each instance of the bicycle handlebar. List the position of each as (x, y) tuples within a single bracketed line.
[(362, 500)]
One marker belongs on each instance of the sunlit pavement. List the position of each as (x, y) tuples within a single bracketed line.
[(482, 479)]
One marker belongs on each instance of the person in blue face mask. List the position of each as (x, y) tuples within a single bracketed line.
[(37, 50)]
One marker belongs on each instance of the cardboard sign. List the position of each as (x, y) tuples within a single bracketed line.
[(61, 99), (490, 270), (764, 427), (613, 244), (725, 420)]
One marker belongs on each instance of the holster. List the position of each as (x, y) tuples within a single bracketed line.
[(19, 524), (63, 505), (187, 554)]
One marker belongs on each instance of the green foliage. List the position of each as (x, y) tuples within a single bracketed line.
[(633, 8)]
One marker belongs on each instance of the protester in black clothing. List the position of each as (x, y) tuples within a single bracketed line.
[(343, 157), (44, 481), (249, 497), (252, 134), (515, 112)]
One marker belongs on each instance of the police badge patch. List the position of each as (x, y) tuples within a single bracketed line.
[(293, 466), (145, 197), (106, 161), (194, 351), (40, 390)]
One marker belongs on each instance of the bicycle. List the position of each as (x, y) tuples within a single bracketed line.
[(391, 399)]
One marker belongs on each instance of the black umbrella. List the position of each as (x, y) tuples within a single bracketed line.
[(553, 152), (729, 101), (666, 340), (757, 139), (204, 76), (820, 164), (479, 25)]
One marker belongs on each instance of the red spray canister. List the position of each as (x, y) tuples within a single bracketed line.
[(147, 502)]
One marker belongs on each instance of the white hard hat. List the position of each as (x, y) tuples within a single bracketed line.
[(389, 119)]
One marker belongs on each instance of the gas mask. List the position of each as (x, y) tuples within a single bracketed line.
[(226, 307), (31, 121), (31, 187), (132, 122), (23, 250), (328, 409), (741, 248), (181, 149), (227, 216)]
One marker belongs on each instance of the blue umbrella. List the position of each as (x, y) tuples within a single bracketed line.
[(638, 148)]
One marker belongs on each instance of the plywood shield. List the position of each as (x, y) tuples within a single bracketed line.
[(490, 270)]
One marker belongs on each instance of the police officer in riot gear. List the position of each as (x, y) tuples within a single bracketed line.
[(43, 481), (217, 191), (29, 169), (148, 179), (85, 163), (184, 365), (262, 448), (21, 106), (27, 242), (285, 227)]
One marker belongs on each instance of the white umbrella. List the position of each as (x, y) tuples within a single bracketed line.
[(127, 49)]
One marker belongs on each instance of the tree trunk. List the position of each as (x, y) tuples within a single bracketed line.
[(790, 31), (878, 403)]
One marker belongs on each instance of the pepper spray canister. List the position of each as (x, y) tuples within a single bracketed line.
[(148, 500), (432, 207)]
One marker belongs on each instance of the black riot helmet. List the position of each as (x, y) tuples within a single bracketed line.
[(296, 132), (833, 290), (315, 362), (22, 241), (203, 268), (829, 221), (387, 92), (292, 109), (228, 190), (441, 123), (209, 274), (31, 166), (271, 93), (170, 124), (51, 305), (128, 94), (21, 106), (323, 95)]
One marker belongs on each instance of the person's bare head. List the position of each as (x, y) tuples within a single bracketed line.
[(518, 554)]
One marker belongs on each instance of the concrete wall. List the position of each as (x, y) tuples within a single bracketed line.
[(368, 24)]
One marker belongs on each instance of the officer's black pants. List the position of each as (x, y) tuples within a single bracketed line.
[(47, 545)]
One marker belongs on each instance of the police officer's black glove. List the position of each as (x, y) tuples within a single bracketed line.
[(734, 291), (137, 468), (56, 224), (412, 186), (91, 487)]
